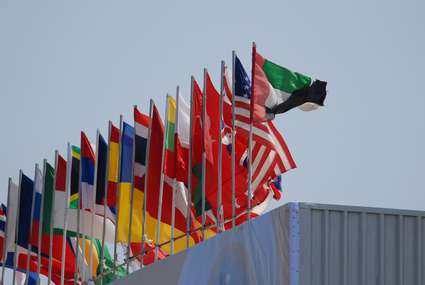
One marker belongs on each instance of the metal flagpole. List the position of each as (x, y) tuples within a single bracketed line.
[(189, 168), (130, 223), (220, 159), (93, 206), (161, 188), (40, 228), (250, 132), (233, 141), (66, 206), (9, 185), (49, 278), (31, 222), (16, 255), (77, 246), (173, 199), (105, 202), (204, 111), (145, 195), (118, 195)]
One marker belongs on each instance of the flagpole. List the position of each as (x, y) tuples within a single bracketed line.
[(9, 185), (161, 187), (130, 223), (31, 224), (105, 202), (65, 219), (49, 280), (173, 199), (93, 206), (250, 132), (233, 141), (40, 228), (189, 168), (220, 159), (204, 110), (16, 255), (118, 195), (145, 196)]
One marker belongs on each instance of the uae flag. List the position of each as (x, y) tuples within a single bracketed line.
[(278, 90)]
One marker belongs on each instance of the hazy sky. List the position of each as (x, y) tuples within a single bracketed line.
[(67, 66)]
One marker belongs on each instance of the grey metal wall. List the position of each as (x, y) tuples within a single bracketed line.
[(304, 244), (342, 245)]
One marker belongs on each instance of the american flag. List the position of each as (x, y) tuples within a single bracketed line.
[(271, 156)]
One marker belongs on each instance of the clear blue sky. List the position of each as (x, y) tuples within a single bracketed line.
[(67, 66)]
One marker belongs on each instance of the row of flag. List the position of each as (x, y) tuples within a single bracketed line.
[(156, 186)]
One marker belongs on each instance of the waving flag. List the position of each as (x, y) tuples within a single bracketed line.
[(271, 156), (278, 89)]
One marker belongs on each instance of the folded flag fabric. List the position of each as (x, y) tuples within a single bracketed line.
[(75, 177), (38, 188), (113, 154), (278, 90)]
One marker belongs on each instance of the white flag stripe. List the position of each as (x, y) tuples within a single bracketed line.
[(85, 228), (11, 217), (183, 117), (141, 130)]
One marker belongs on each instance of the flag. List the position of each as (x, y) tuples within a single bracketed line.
[(271, 156), (278, 90), (169, 167), (87, 174), (101, 164), (75, 177), (114, 140), (25, 209), (12, 210), (180, 191), (182, 134), (38, 188), (3, 213), (58, 218), (125, 180), (197, 148)]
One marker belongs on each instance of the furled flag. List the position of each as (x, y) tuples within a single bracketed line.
[(182, 134), (38, 188), (114, 148), (180, 191), (58, 216), (197, 149), (125, 180), (12, 202), (75, 177), (154, 182), (24, 215), (3, 216), (278, 90), (101, 164), (87, 174)]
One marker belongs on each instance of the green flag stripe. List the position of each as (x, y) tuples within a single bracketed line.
[(284, 79), (169, 136), (48, 198)]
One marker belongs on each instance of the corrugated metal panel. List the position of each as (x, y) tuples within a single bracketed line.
[(343, 245)]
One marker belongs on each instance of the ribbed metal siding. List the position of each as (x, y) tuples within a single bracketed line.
[(354, 245)]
